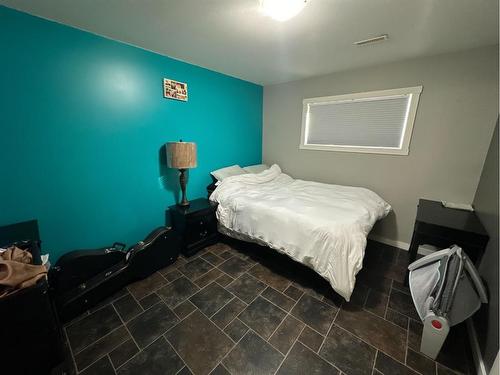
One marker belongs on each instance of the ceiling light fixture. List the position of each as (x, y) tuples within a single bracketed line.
[(282, 10), (375, 39)]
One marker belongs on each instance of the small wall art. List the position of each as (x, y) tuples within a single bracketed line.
[(175, 90)]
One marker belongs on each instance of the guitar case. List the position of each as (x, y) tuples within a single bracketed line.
[(93, 275)]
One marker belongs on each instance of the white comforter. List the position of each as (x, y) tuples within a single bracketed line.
[(320, 225)]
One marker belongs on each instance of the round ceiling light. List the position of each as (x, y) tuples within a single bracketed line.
[(282, 10)]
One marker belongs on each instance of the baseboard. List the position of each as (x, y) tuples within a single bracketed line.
[(476, 350), (423, 250)]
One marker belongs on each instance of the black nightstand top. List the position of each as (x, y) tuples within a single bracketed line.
[(197, 205), (434, 213)]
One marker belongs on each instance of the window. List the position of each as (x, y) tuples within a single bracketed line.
[(373, 122)]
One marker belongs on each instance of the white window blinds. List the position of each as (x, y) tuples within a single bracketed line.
[(365, 122)]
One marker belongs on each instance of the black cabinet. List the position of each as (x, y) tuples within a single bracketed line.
[(31, 334), (196, 224)]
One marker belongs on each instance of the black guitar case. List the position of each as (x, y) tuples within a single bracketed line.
[(93, 282), (78, 266)]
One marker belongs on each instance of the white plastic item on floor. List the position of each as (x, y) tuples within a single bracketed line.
[(446, 289)]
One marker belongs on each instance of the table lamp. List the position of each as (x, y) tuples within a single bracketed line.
[(182, 156)]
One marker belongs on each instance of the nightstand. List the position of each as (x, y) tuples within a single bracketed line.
[(196, 224)]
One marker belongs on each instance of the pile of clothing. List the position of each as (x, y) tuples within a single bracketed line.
[(17, 270)]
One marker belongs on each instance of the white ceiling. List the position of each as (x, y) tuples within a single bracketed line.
[(233, 37)]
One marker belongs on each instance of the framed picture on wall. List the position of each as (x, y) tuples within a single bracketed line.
[(175, 90)]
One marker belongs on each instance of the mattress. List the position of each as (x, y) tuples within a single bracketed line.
[(322, 226)]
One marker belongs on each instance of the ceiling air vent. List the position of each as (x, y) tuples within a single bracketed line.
[(375, 39)]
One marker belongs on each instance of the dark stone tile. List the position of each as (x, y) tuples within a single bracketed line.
[(149, 300), (312, 284), (169, 268), (397, 318), (400, 287), (185, 371), (101, 367), (177, 291), (108, 300), (374, 281), (286, 334), (348, 353), (225, 315), (172, 275), (376, 331), (123, 353), (142, 288), (359, 295), (212, 258), (224, 280), (403, 258), (246, 287), (157, 359), (208, 277), (195, 268), (262, 316), (403, 303), (311, 338), (92, 328), (390, 253), (226, 255), (220, 370), (442, 370), (332, 298), (314, 313), (302, 360), (152, 323), (127, 307), (278, 298), (234, 266), (218, 248), (236, 330), (415, 334), (386, 365), (211, 299), (376, 302), (211, 344), (269, 277), (184, 309), (100, 348), (420, 363), (253, 355), (293, 292), (76, 319), (388, 270)]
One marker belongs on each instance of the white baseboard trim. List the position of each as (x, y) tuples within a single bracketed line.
[(476, 351), (423, 250)]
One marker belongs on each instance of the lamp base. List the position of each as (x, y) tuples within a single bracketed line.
[(183, 182)]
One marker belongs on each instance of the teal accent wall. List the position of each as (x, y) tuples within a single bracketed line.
[(82, 125)]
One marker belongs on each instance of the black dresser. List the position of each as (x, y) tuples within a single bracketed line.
[(196, 224)]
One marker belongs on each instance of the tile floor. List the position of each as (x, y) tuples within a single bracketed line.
[(237, 308)]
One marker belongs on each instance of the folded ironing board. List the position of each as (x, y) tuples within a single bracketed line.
[(446, 289)]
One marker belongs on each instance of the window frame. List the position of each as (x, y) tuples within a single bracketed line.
[(404, 148)]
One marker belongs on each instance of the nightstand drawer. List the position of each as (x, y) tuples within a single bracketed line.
[(197, 225), (200, 227)]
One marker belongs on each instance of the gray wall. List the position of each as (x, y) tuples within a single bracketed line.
[(453, 128), (486, 204)]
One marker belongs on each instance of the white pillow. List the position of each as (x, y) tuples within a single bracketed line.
[(233, 170), (257, 168)]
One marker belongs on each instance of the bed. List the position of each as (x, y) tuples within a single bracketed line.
[(322, 226)]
